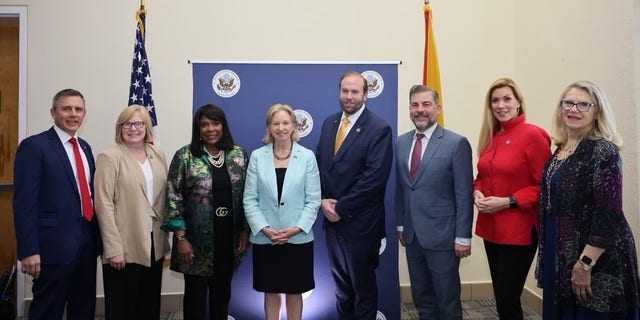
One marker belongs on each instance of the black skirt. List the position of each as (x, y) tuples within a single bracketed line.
[(286, 268)]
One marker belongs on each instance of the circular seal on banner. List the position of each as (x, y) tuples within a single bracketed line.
[(375, 83), (305, 122), (383, 246), (380, 316), (230, 318), (225, 83)]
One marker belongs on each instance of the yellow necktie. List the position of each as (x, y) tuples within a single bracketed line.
[(341, 132)]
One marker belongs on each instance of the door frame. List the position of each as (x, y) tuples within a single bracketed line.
[(20, 12)]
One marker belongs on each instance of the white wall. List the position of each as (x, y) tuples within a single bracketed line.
[(558, 42), (544, 45)]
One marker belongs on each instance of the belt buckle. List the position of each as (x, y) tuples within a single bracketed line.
[(222, 211)]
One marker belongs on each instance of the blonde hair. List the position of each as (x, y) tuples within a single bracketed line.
[(268, 138), (604, 126), (489, 122), (126, 114)]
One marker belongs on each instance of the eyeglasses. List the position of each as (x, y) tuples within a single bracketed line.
[(137, 124), (581, 106)]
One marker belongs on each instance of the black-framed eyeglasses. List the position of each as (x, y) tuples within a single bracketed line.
[(580, 105), (137, 124)]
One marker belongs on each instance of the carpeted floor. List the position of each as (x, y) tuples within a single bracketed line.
[(471, 310)]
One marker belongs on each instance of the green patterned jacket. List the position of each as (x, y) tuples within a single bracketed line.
[(189, 205)]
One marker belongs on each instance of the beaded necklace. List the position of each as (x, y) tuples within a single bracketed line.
[(556, 162), (551, 170), (281, 158), (567, 151)]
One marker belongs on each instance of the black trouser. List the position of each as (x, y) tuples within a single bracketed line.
[(509, 266), (133, 292), (194, 303)]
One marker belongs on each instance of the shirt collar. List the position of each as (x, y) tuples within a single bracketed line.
[(354, 117), (506, 126), (63, 135), (427, 133)]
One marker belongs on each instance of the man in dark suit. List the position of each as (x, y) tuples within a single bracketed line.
[(434, 207), (57, 234), (354, 157)]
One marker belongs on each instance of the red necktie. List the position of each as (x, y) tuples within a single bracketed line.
[(415, 156), (85, 197)]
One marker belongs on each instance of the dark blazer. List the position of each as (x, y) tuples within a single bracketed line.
[(46, 202), (357, 175), (438, 206)]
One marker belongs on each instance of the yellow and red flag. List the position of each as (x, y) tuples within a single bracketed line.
[(431, 73)]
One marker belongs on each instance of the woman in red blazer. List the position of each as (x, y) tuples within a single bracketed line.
[(512, 154)]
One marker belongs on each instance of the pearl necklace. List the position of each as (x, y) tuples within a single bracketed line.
[(217, 160), (281, 158)]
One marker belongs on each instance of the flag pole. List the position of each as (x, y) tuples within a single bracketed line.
[(140, 23), (431, 70), (140, 92)]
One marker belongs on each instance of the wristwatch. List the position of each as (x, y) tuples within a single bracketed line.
[(512, 202), (586, 262)]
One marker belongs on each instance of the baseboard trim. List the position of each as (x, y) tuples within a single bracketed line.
[(481, 291)]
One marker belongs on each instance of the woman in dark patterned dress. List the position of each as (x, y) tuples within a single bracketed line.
[(205, 213), (587, 262)]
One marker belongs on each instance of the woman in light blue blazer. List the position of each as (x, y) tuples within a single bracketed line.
[(281, 200)]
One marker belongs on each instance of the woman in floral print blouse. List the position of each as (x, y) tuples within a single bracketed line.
[(205, 213), (587, 262)]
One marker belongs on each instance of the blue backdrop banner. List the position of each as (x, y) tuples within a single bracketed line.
[(245, 90)]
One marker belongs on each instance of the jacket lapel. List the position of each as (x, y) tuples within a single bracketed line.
[(404, 148), (61, 153), (353, 134), (138, 175), (333, 129), (293, 167), (432, 146), (270, 171)]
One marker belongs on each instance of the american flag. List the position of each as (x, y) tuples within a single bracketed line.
[(140, 89)]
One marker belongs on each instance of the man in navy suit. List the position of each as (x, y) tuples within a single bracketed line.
[(57, 246), (354, 159), (434, 207)]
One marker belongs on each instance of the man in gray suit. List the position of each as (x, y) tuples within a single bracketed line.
[(434, 206)]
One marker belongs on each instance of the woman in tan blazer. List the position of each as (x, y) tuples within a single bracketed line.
[(130, 195)]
